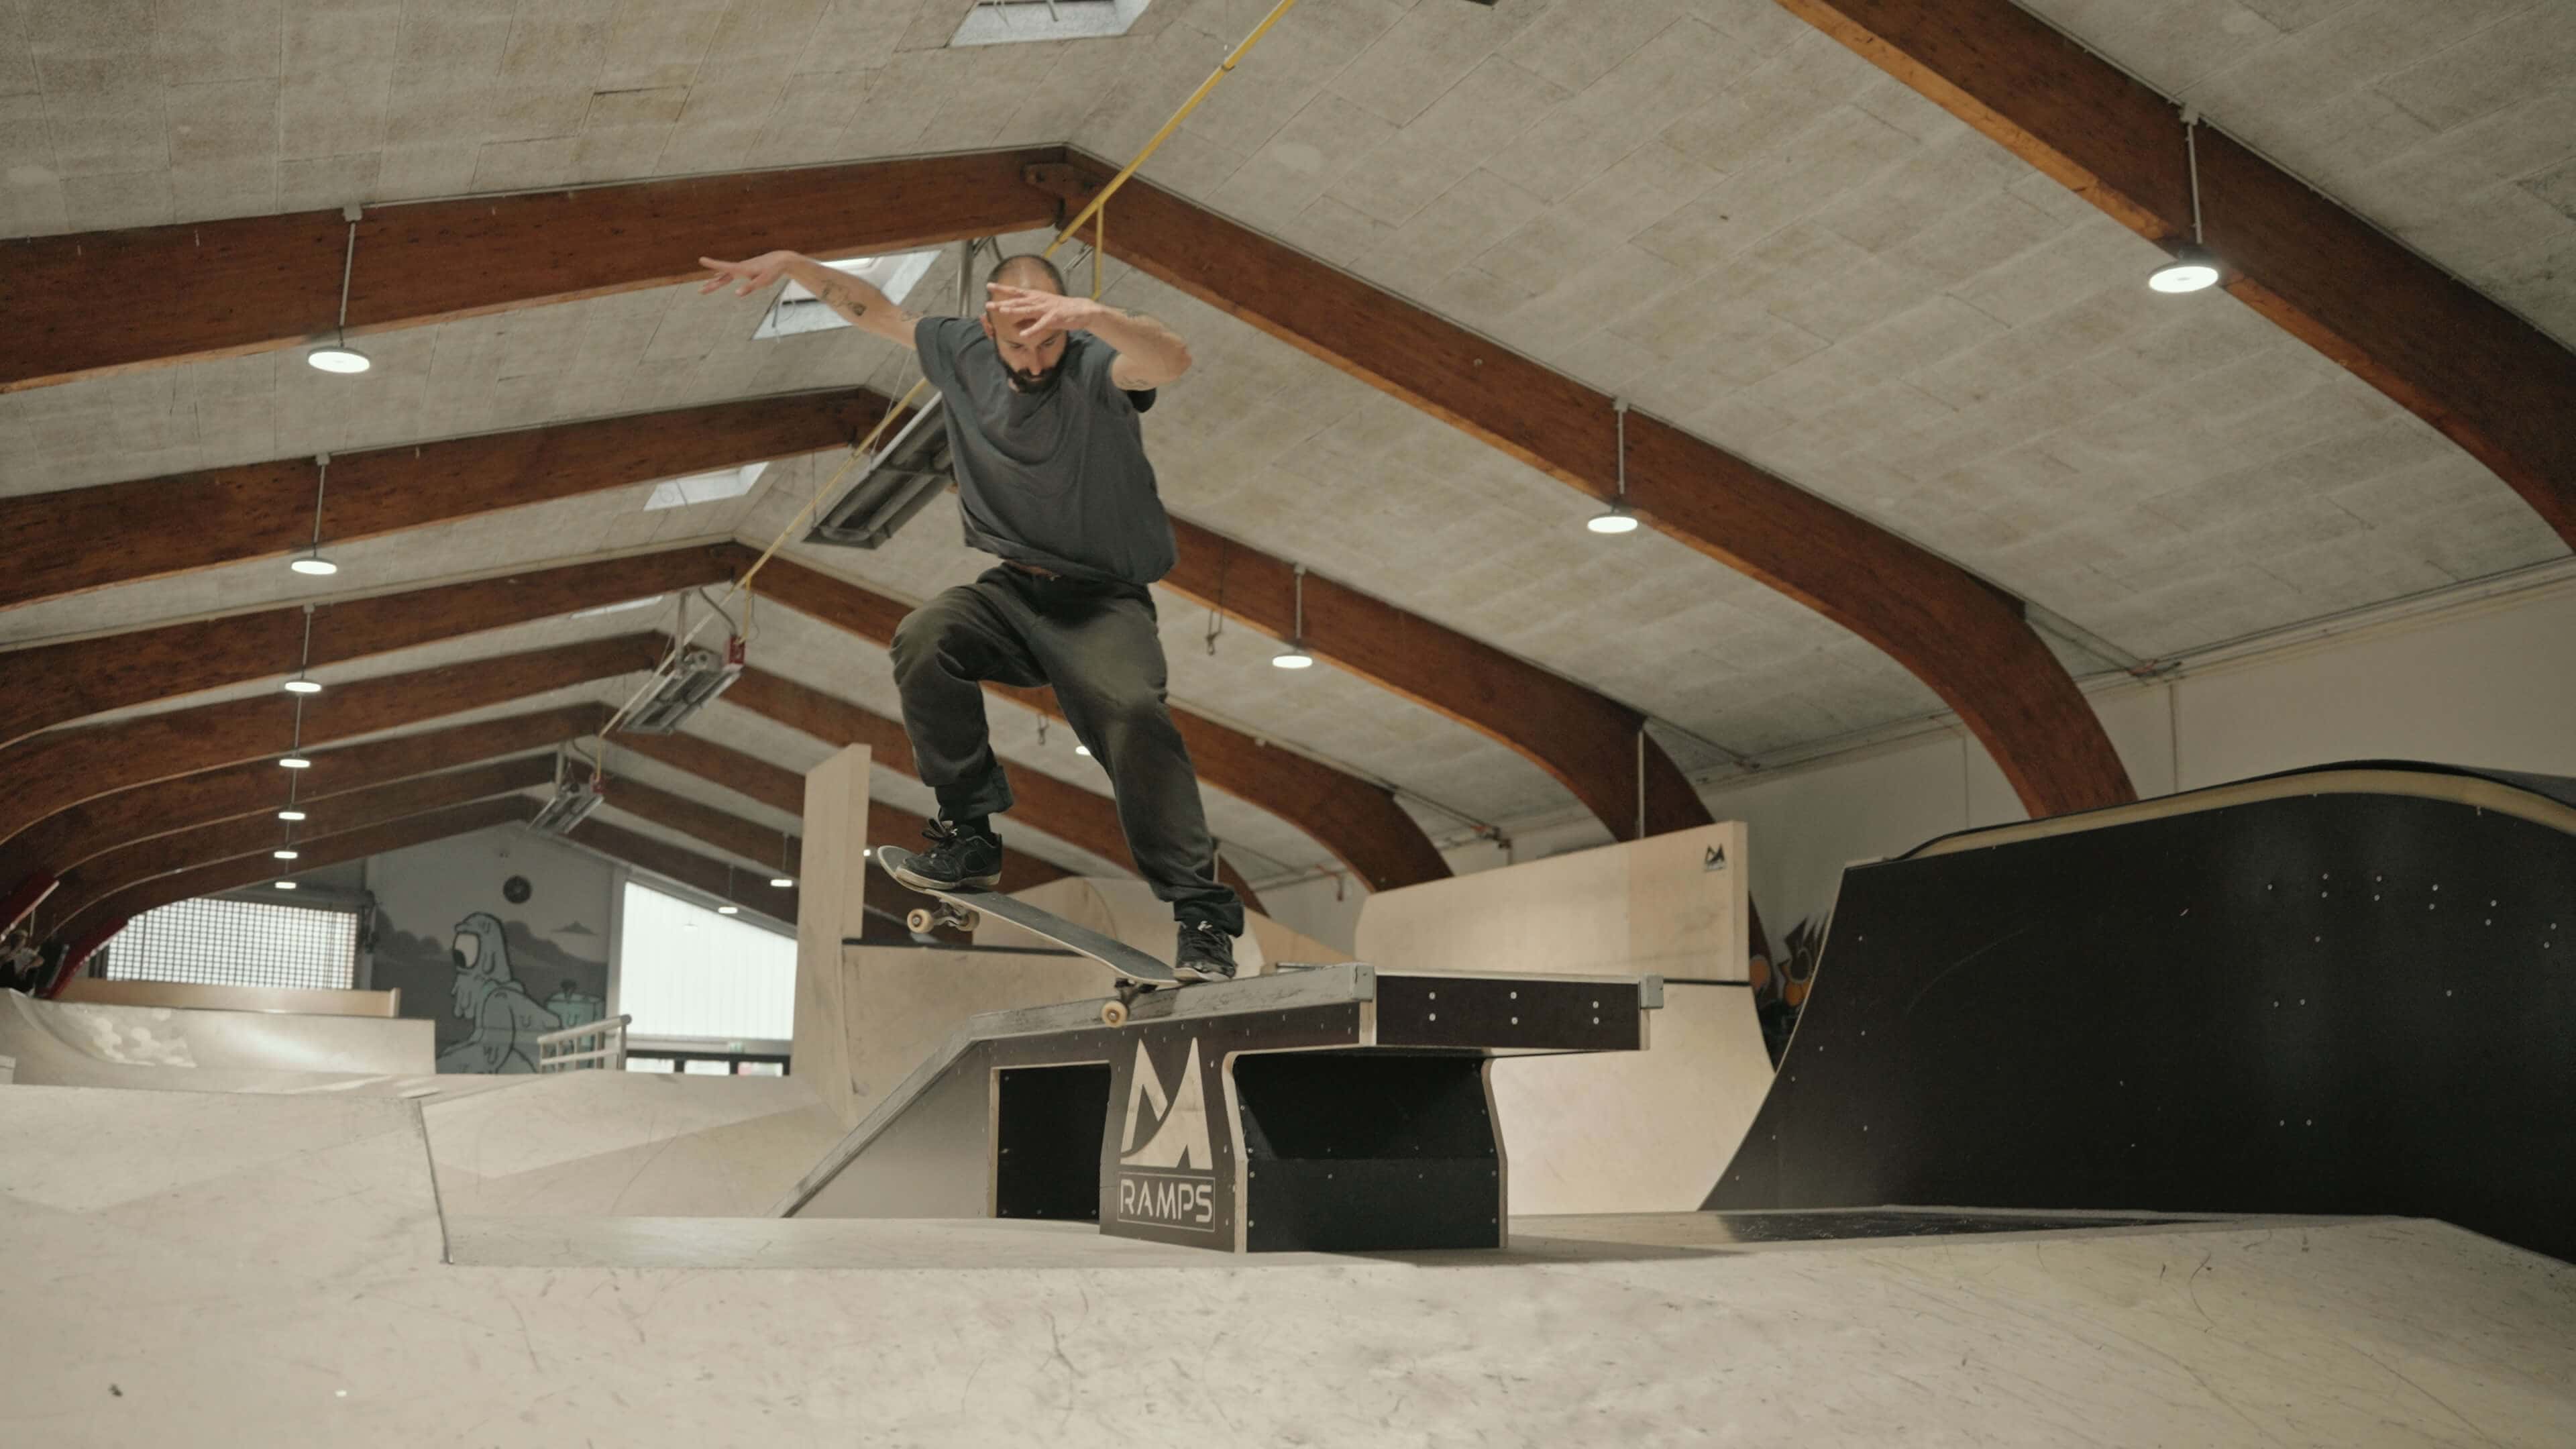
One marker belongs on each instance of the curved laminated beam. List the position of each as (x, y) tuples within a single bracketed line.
[(265, 510), (2491, 382), (120, 870), (141, 666), (1588, 742), (1070, 813), (255, 284), (225, 875), (717, 878), (1958, 634), (1358, 822), (62, 841), (783, 789), (64, 767)]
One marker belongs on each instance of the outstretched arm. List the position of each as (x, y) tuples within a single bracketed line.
[(1149, 353), (866, 308)]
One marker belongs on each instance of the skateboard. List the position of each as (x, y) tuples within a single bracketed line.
[(965, 907)]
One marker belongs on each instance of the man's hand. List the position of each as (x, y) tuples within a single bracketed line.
[(1032, 315), (757, 274)]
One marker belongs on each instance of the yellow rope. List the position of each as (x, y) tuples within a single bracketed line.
[(861, 449)]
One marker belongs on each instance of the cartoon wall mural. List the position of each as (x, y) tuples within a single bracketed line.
[(506, 1021), (453, 930)]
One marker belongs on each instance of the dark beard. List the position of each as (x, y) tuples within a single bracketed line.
[(1035, 382)]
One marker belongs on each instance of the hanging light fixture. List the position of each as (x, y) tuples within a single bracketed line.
[(290, 814), (301, 683), (728, 910), (311, 560), (1616, 518), (282, 853), (1296, 657), (2194, 268), (284, 885), (294, 762), (1083, 750), (339, 356), (785, 879)]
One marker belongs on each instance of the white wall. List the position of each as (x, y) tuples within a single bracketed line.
[(2490, 685)]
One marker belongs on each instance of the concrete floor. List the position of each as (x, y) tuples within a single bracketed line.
[(190, 1268)]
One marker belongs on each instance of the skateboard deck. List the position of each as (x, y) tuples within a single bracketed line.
[(1137, 972)]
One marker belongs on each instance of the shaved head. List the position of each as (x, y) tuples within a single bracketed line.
[(1029, 271)]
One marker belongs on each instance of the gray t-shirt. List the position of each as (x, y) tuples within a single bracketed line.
[(1057, 479)]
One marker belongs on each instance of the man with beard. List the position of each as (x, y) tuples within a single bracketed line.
[(1042, 394)]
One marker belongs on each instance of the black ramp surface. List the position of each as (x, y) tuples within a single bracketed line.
[(2338, 1003)]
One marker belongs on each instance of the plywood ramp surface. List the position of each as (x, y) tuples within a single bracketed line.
[(1670, 905)]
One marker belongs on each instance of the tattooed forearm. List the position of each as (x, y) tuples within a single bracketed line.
[(836, 294)]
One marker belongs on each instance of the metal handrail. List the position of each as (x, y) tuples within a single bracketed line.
[(610, 1053)]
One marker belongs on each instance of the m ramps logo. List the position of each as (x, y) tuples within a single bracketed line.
[(1170, 1181)]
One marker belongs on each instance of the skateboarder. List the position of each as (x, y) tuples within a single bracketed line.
[(1043, 391)]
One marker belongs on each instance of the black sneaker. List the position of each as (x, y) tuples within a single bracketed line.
[(960, 857), (1205, 953)]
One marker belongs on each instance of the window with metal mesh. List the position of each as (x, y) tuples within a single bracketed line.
[(217, 942)]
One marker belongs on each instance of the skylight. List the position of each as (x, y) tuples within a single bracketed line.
[(705, 487), (798, 310), (1000, 22)]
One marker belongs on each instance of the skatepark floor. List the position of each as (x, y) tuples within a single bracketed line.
[(190, 1268)]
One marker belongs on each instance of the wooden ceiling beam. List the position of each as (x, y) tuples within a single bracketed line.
[(1591, 744), (93, 676), (1961, 636), (1358, 822), (1078, 817), (225, 875), (783, 789), (64, 767), (58, 540), (203, 290), (719, 878), (54, 846), (120, 870), (2488, 380)]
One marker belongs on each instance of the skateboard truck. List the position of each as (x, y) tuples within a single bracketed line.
[(924, 919), (1114, 1012)]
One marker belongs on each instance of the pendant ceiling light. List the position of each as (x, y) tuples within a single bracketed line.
[(2193, 268), (338, 356), (1296, 657), (311, 560), (1616, 518)]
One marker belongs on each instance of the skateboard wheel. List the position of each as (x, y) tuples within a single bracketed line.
[(1113, 1013), (970, 921), (921, 920)]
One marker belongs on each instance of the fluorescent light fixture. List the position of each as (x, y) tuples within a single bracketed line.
[(313, 563), (1295, 658), (2192, 269), (901, 480), (573, 800), (1000, 22), (1617, 520), (295, 762), (644, 603), (290, 816), (712, 487), (701, 675), (782, 882), (282, 854), (301, 685), (799, 310), (1083, 750), (337, 358), (284, 885), (728, 910)]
